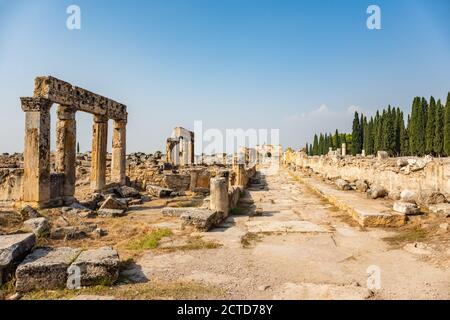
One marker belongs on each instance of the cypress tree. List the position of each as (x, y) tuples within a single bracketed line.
[(421, 127), (413, 126), (356, 135), (447, 127), (389, 131), (404, 140), (377, 133), (430, 126), (311, 153), (369, 137), (337, 139), (438, 139), (315, 146), (321, 144)]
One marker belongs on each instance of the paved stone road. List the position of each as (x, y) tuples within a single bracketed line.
[(301, 247)]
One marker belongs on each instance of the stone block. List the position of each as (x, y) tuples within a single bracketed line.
[(343, 185), (407, 208), (45, 269), (13, 248), (39, 226), (113, 203), (158, 191), (440, 209), (97, 266)]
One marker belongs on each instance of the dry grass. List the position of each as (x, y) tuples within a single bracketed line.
[(249, 239), (194, 243), (180, 290), (414, 233), (149, 241)]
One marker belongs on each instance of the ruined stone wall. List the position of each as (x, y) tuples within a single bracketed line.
[(421, 175)]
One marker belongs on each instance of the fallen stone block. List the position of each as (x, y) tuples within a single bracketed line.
[(113, 203), (202, 219), (408, 196), (376, 192), (128, 192), (382, 155), (435, 198), (28, 212), (402, 162), (72, 232), (342, 184), (159, 192), (407, 208), (111, 213), (13, 248), (440, 209), (97, 266), (39, 226), (361, 185), (45, 269)]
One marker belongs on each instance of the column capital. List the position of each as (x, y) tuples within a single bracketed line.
[(119, 123), (66, 112), (100, 118), (35, 104)]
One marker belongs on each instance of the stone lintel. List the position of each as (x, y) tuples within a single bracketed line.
[(64, 93)]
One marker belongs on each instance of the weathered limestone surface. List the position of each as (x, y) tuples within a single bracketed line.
[(45, 268), (99, 150), (423, 176), (64, 93), (39, 226), (13, 248), (366, 212), (98, 266), (219, 201), (66, 152), (118, 163), (36, 180), (201, 219), (406, 208), (180, 147)]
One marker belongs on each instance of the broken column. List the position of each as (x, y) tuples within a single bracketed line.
[(118, 161), (99, 150), (219, 196), (36, 179), (66, 149), (344, 149)]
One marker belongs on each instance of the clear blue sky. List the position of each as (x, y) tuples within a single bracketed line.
[(300, 66)]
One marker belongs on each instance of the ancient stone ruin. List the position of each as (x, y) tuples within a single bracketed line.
[(42, 189), (180, 147)]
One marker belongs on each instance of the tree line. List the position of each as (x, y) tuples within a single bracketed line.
[(427, 131)]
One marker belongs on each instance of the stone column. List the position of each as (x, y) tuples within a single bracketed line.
[(240, 175), (66, 150), (119, 160), (36, 166), (192, 149), (344, 149), (169, 151), (219, 196), (99, 150)]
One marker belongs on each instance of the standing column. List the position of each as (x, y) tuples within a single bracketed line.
[(118, 162), (36, 178), (99, 145), (66, 150), (192, 149)]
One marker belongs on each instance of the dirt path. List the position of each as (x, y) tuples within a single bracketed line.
[(300, 248)]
